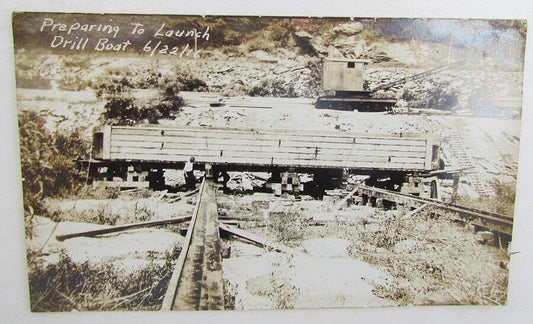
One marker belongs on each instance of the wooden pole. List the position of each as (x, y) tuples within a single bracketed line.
[(256, 239), (345, 199), (120, 228)]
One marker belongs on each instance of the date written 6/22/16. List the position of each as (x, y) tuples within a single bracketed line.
[(160, 48)]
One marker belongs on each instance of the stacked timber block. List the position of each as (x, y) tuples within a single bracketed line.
[(356, 200), (333, 196), (420, 186), (101, 178), (290, 182), (134, 179), (412, 187), (136, 176)]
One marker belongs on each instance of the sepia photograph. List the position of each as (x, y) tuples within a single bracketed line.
[(219, 162)]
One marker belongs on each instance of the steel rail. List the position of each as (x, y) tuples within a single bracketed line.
[(493, 221)]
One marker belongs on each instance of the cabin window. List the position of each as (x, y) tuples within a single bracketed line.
[(98, 145), (434, 153), (351, 65)]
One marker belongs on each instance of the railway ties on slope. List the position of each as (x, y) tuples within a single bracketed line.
[(492, 221), (459, 157), (196, 282)]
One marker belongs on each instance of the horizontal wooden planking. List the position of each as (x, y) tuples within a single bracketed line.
[(270, 141), (230, 157), (208, 157), (144, 135), (353, 165), (384, 150), (245, 146), (272, 137), (393, 165), (360, 156), (270, 147), (236, 132)]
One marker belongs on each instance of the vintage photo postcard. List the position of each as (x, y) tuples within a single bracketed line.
[(174, 162)]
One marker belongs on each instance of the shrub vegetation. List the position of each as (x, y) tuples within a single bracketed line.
[(67, 285), (47, 161)]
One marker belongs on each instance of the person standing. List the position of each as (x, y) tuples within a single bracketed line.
[(190, 179)]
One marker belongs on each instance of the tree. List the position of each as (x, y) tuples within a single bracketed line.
[(122, 108)]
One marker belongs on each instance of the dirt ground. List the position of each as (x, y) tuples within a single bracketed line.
[(358, 258)]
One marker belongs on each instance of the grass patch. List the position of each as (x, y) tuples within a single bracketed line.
[(432, 260), (502, 202), (104, 212), (67, 286), (287, 225)]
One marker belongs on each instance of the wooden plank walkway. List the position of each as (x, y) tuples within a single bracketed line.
[(196, 282)]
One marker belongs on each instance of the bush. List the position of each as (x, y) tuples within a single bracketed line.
[(284, 293), (29, 71), (222, 32), (47, 161), (103, 213), (186, 82), (259, 43), (314, 83), (36, 149), (73, 81), (272, 88), (122, 108), (505, 194), (281, 32), (432, 94), (125, 110), (113, 84)]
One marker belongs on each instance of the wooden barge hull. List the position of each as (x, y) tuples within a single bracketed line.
[(267, 148)]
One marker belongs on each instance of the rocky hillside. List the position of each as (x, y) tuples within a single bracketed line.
[(281, 57)]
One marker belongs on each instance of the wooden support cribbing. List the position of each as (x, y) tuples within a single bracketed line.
[(120, 228)]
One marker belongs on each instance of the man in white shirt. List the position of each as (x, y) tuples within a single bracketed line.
[(190, 179)]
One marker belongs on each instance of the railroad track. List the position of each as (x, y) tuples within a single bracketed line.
[(493, 221), (196, 282)]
